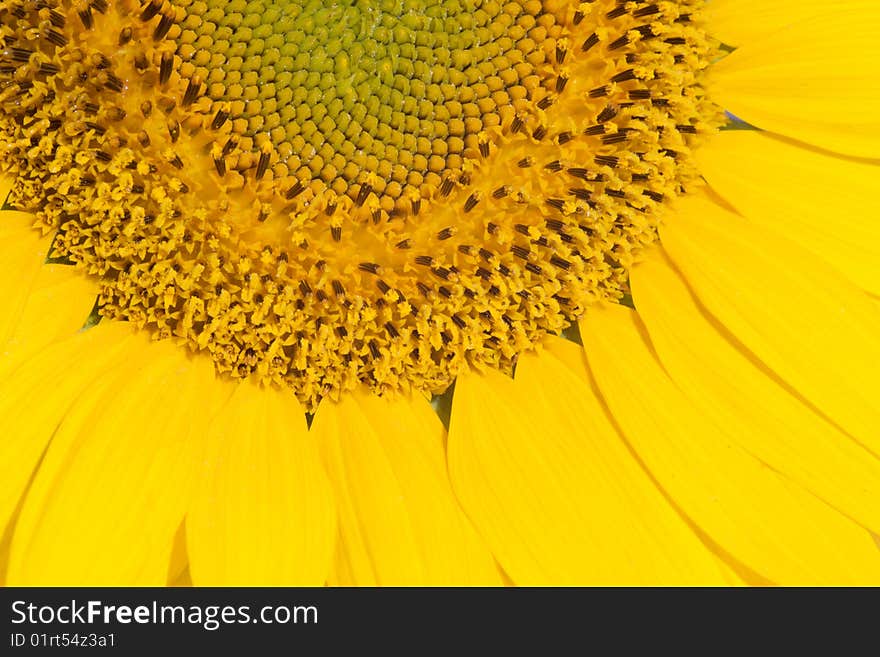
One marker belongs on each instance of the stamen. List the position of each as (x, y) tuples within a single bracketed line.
[(322, 195)]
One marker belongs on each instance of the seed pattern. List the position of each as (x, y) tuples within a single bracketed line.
[(367, 96), (180, 151)]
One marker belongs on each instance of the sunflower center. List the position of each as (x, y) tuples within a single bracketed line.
[(385, 96), (320, 194)]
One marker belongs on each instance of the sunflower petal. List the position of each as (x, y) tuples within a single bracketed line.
[(553, 488), (5, 188), (263, 513), (824, 203), (112, 489), (399, 523), (815, 81), (771, 526), (41, 302), (763, 418), (22, 254), (737, 22), (35, 398), (814, 329), (56, 308)]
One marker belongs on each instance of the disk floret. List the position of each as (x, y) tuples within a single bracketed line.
[(380, 192)]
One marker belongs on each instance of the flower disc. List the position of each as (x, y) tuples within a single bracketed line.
[(365, 191)]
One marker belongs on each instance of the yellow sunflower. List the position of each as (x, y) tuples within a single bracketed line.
[(429, 292)]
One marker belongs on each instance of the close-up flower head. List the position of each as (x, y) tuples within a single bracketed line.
[(439, 292)]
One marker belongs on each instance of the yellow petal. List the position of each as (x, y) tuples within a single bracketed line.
[(263, 514), (178, 565), (35, 397), (40, 303), (399, 523), (737, 22), (815, 81), (808, 324), (771, 526), (58, 305), (22, 254), (5, 187), (824, 203), (548, 481), (113, 486), (763, 417)]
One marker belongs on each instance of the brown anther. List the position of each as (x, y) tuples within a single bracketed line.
[(112, 81), (193, 88), (263, 164), (591, 41), (165, 66), (614, 138), (56, 38), (57, 18), (125, 36), (520, 251), (141, 63), (151, 10), (165, 23), (219, 119), (363, 193), (619, 43), (85, 16)]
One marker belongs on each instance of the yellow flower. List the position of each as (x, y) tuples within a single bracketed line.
[(648, 331)]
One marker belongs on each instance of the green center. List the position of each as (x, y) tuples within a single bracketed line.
[(399, 88)]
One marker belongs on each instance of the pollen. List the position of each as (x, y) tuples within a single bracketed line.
[(366, 191)]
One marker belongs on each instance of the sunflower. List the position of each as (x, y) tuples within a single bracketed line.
[(440, 292)]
